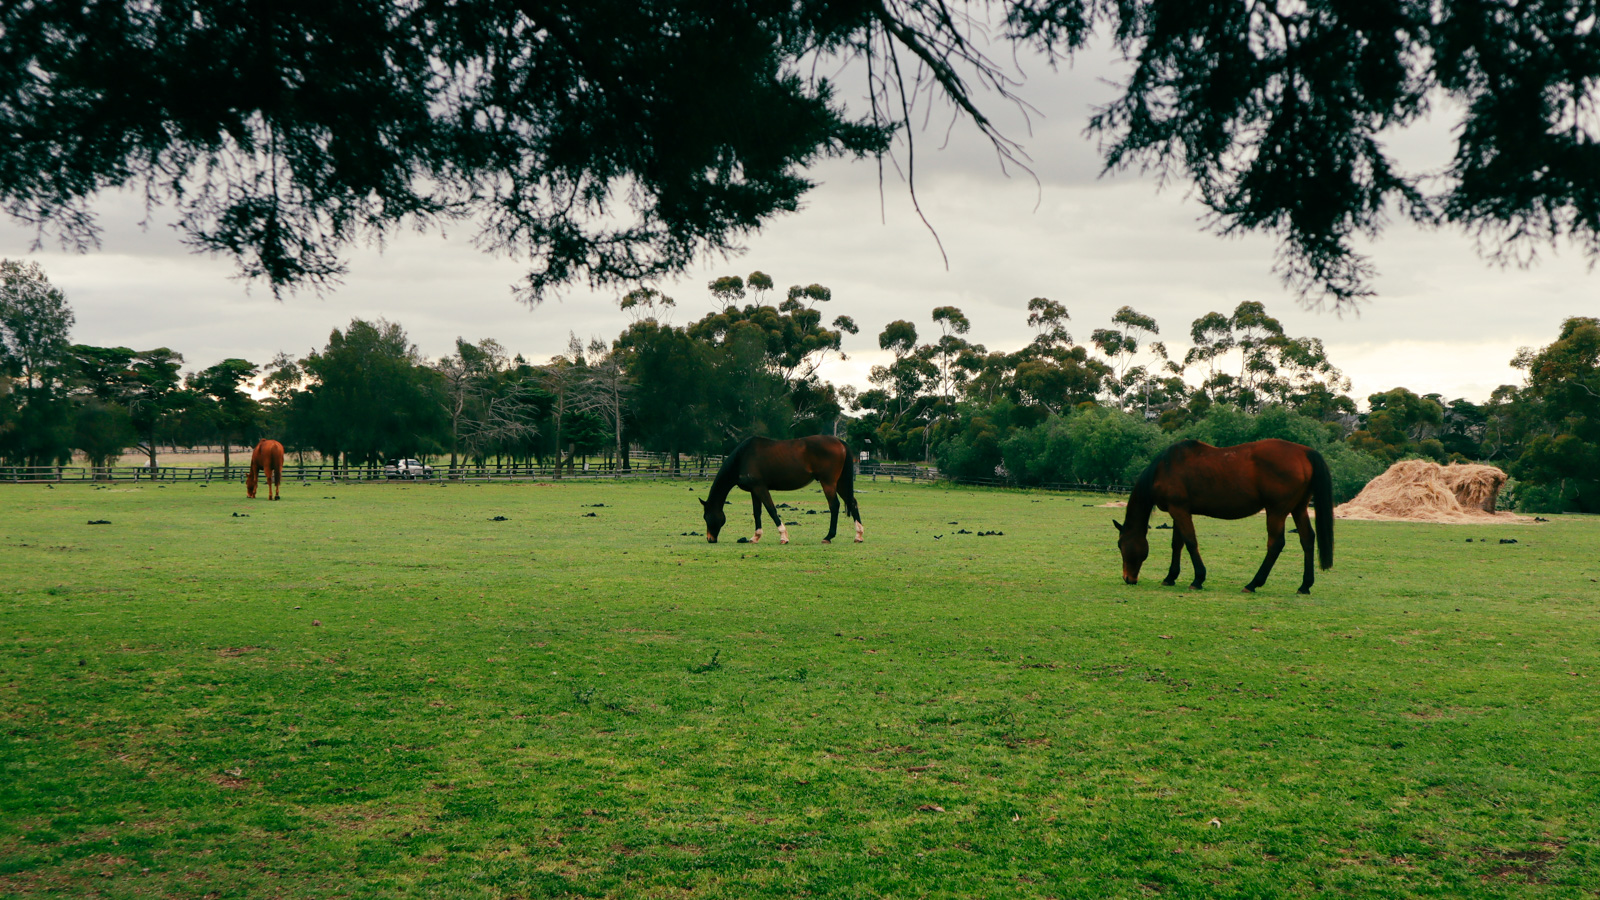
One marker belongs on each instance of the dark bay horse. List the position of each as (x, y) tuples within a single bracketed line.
[(760, 466), (268, 457), (1191, 478)]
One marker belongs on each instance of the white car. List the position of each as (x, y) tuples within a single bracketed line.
[(407, 468)]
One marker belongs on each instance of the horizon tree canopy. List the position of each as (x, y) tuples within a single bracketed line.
[(615, 141)]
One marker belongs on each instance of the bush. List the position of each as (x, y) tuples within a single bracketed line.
[(1541, 498), (1225, 425), (1351, 470), (1098, 445), (1091, 445), (974, 448)]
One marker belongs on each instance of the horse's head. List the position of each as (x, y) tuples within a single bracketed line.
[(715, 519), (1135, 546)]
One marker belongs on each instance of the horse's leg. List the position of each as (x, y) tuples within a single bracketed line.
[(755, 503), (1274, 547), (1183, 523), (783, 530), (1177, 558), (831, 491), (1308, 543), (848, 492)]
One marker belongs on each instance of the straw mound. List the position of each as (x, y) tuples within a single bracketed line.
[(1416, 490), (1477, 487)]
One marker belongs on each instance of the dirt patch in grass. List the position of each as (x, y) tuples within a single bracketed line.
[(1529, 864)]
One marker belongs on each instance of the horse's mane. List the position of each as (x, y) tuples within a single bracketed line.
[(729, 472), (1146, 482), (1142, 499)]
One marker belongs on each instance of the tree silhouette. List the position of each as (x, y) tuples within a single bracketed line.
[(615, 142)]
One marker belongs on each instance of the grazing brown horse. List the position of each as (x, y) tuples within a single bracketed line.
[(268, 457), (1191, 478), (760, 465)]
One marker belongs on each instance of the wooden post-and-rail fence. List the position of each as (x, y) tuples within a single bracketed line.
[(327, 472), (330, 472)]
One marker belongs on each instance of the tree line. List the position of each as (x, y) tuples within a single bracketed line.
[(1055, 410)]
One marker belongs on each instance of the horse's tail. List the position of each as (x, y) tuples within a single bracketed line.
[(1322, 495)]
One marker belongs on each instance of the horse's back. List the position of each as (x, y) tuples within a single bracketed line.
[(1235, 482), (788, 465), (267, 455)]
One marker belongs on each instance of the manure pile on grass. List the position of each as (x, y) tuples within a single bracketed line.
[(1416, 490)]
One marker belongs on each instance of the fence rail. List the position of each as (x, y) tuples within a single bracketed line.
[(329, 472), (641, 470)]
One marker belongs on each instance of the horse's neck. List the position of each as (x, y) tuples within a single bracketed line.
[(1140, 504), (723, 484)]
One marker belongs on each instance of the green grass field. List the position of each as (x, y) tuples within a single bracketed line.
[(377, 691)]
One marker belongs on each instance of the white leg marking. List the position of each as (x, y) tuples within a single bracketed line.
[(783, 534), (758, 537), (861, 533)]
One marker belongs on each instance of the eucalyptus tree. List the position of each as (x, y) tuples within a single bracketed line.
[(1211, 338), (1120, 344), (726, 291), (368, 396), (1256, 335), (1564, 383), (952, 323), (469, 380), (673, 371), (562, 378), (233, 412), (907, 376), (607, 390), (792, 340), (1048, 320), (35, 321), (646, 303), (759, 283)]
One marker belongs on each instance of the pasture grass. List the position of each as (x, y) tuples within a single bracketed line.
[(378, 691)]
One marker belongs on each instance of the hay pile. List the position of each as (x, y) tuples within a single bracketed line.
[(1477, 487), (1416, 490)]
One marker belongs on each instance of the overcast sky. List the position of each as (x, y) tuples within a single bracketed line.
[(1444, 320)]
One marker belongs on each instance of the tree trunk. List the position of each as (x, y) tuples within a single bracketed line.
[(558, 444), (619, 459)]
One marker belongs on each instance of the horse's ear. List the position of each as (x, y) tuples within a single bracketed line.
[(702, 502), (1116, 523)]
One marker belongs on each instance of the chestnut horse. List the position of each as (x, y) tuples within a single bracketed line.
[(760, 465), (268, 457), (1191, 478)]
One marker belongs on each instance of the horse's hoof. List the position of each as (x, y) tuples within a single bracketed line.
[(826, 541), (1303, 591), (1196, 587), (1170, 582), (1247, 589)]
